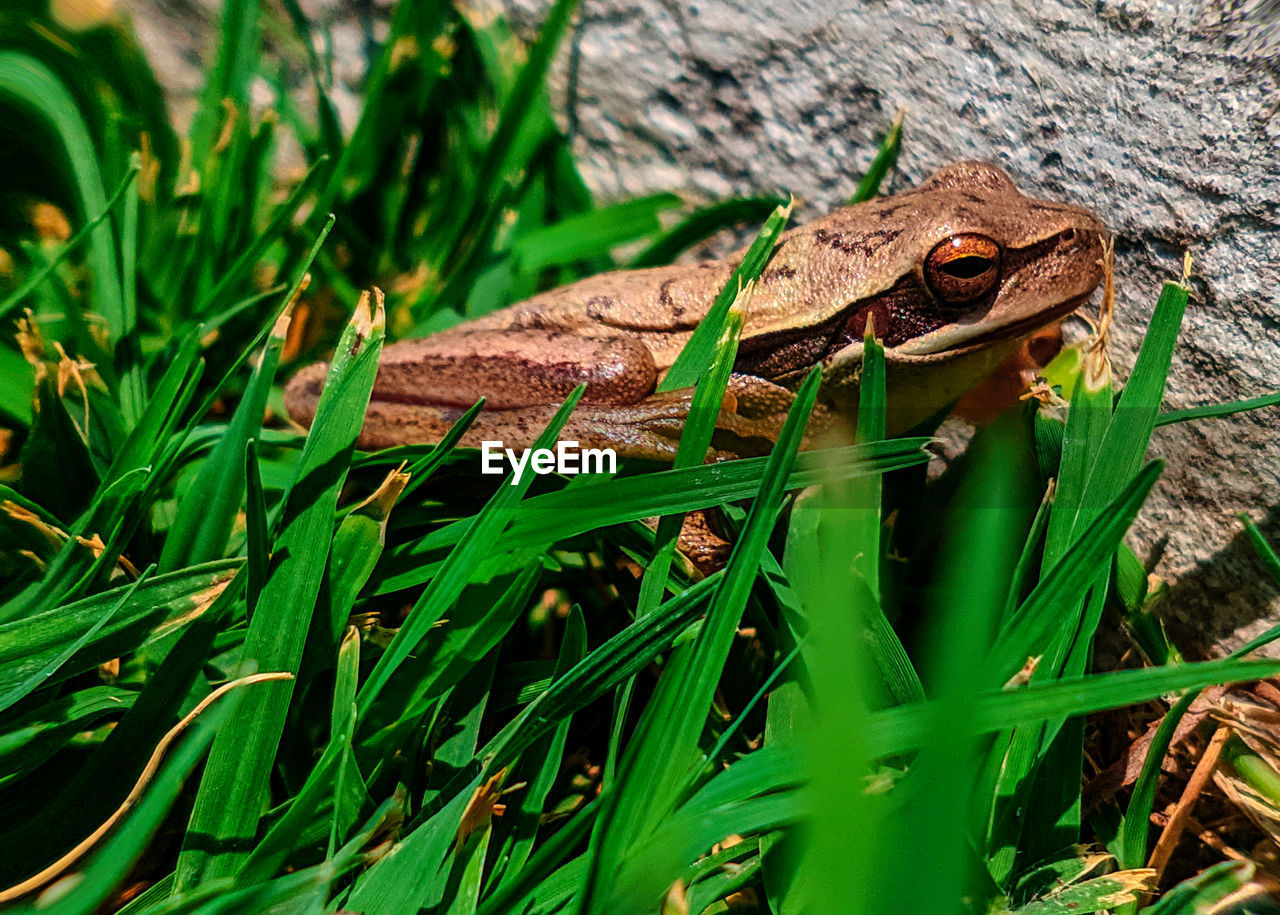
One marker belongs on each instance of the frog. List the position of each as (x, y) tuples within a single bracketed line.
[(950, 276)]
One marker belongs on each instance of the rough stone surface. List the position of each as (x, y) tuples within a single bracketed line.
[(1161, 116)]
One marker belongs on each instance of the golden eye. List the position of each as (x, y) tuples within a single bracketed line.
[(962, 268)]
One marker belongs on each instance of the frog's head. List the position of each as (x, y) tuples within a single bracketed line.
[(951, 275), (998, 264)]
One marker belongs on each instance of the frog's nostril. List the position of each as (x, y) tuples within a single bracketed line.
[(1069, 235)]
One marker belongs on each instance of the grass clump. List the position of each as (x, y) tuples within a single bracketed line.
[(422, 692)]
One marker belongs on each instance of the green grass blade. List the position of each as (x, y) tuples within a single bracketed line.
[(655, 865), (666, 743), (695, 440), (321, 783), (525, 815), (247, 304), (99, 785), (15, 298), (349, 790), (458, 568), (396, 882), (618, 659), (906, 728), (147, 441), (698, 353), (235, 67), (1231, 884), (31, 84), (477, 623), (331, 140), (987, 524), (739, 722), (267, 327), (203, 526), (159, 605), (703, 223), (17, 384), (1137, 817), (1101, 894), (1027, 558), (228, 805), (591, 234), (885, 160), (600, 671), (280, 220), (515, 113), (39, 676), (357, 545), (1088, 419), (835, 662), (257, 533), (1122, 449), (1264, 550), (113, 862), (1037, 616), (1213, 411), (735, 869), (614, 661), (132, 390), (30, 738), (422, 469), (555, 516), (1053, 795), (510, 897), (864, 495)]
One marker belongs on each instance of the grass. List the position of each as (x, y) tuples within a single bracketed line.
[(512, 698)]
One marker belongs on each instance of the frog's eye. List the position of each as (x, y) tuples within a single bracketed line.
[(963, 268)]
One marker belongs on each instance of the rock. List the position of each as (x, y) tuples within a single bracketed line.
[(1160, 116)]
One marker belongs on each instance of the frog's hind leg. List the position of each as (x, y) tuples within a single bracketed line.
[(750, 419)]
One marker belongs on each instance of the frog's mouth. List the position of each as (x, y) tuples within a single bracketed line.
[(957, 339), (908, 335), (899, 315)]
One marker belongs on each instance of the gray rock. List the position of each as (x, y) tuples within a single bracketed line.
[(1160, 116)]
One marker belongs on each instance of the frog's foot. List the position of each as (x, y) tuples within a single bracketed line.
[(705, 549)]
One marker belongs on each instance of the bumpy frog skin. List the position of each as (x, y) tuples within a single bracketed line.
[(952, 275)]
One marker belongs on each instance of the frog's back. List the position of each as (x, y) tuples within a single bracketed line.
[(657, 299), (818, 270)]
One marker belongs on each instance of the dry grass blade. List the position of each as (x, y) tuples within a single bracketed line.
[(69, 860)]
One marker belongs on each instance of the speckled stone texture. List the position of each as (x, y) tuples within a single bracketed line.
[(1160, 116)]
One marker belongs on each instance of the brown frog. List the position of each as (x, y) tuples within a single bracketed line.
[(952, 275)]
